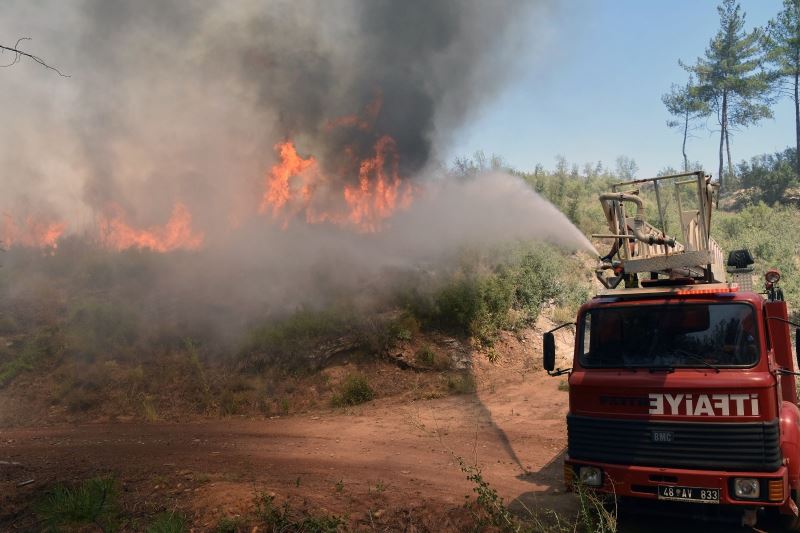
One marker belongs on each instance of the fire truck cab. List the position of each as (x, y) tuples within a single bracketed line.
[(682, 385)]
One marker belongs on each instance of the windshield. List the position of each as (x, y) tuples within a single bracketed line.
[(687, 335)]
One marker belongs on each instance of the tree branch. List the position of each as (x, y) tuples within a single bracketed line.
[(19, 54)]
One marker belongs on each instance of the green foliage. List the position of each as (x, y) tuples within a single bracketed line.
[(468, 167), (42, 345), (494, 511), (427, 356), (766, 232), (149, 410), (354, 390), (502, 289), (782, 45), (593, 514), (93, 502), (231, 524), (288, 341), (730, 80), (283, 519), (168, 522), (684, 103), (404, 328), (782, 40), (769, 174), (461, 383), (97, 329), (490, 511)]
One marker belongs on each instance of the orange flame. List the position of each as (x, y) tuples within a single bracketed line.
[(279, 191), (376, 197), (176, 234), (296, 184), (33, 232)]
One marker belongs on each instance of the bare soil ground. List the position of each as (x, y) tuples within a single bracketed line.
[(387, 462)]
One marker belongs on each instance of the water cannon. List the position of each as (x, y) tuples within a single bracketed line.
[(639, 246)]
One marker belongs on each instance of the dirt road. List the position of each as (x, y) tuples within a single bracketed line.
[(383, 457), (386, 463)]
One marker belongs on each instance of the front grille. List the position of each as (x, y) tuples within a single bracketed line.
[(753, 446)]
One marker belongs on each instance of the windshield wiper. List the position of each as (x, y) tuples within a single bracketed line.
[(699, 359), (663, 368)]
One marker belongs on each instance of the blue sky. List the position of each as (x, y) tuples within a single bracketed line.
[(593, 92)]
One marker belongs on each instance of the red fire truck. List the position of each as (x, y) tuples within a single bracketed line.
[(682, 384)]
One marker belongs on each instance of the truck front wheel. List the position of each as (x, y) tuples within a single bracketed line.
[(792, 523)]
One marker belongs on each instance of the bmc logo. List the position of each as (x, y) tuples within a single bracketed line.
[(704, 404)]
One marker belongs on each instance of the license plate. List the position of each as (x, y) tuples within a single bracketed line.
[(688, 494)]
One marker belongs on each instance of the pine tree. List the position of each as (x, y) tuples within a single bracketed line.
[(782, 46), (683, 103), (730, 80)]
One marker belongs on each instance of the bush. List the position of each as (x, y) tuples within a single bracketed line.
[(428, 357), (230, 524), (168, 522), (92, 503), (765, 231), (42, 345), (289, 341), (102, 329), (769, 174), (354, 390), (404, 328), (462, 383), (282, 518), (503, 289)]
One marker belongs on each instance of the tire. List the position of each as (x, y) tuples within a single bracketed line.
[(792, 523)]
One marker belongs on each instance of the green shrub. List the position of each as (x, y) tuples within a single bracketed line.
[(282, 518), (231, 524), (287, 342), (503, 288), (764, 230), (404, 328), (462, 383), (101, 329), (168, 522), (354, 390), (93, 502), (149, 410), (428, 357), (425, 356), (42, 345)]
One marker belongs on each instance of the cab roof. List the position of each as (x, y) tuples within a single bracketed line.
[(705, 289)]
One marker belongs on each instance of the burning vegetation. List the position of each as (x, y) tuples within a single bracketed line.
[(255, 221), (328, 116), (299, 186)]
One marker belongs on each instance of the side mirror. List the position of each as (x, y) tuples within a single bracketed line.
[(549, 351)]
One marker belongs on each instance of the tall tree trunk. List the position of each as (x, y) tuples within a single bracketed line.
[(685, 133), (730, 175), (797, 118), (723, 126)]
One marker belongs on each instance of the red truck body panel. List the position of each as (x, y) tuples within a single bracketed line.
[(645, 398)]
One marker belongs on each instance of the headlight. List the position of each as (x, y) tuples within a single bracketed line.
[(772, 276), (590, 476), (746, 487)]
